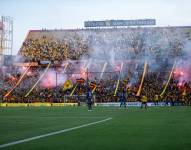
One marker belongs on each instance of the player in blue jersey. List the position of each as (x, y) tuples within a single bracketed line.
[(122, 98), (89, 99)]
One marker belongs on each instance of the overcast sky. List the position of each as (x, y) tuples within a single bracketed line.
[(51, 14)]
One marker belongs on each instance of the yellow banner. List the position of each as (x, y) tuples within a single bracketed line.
[(36, 104)]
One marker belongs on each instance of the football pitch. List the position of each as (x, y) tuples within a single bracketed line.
[(104, 128)]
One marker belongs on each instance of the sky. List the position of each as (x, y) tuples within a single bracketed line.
[(70, 14)]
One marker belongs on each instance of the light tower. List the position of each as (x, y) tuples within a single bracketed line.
[(6, 37)]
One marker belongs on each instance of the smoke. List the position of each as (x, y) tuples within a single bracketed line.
[(183, 67), (160, 47), (52, 79), (18, 59)]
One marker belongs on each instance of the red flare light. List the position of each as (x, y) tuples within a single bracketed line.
[(83, 72), (117, 68), (178, 72)]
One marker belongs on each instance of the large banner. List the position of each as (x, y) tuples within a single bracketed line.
[(134, 104), (114, 23), (36, 104)]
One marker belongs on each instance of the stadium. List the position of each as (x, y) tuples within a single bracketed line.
[(113, 84), (67, 61)]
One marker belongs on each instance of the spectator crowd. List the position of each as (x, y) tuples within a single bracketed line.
[(104, 91), (129, 46)]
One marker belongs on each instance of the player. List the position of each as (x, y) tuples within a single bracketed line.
[(144, 101), (122, 98), (78, 99), (167, 100), (89, 99), (156, 100)]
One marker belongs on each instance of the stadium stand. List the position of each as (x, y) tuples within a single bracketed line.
[(76, 46)]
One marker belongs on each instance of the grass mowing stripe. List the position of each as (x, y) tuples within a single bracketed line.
[(52, 133)]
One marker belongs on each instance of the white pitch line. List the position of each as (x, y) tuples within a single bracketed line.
[(18, 117), (52, 133)]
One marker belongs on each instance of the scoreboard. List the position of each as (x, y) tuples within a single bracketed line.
[(114, 23)]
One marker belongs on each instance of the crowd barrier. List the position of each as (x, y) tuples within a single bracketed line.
[(109, 104)]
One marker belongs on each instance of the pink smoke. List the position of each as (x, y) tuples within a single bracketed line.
[(52, 79)]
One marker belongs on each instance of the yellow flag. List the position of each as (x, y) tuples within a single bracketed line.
[(67, 85), (184, 92)]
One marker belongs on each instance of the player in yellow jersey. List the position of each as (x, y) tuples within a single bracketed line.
[(144, 101), (156, 100)]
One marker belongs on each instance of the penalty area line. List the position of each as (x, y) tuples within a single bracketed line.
[(52, 133)]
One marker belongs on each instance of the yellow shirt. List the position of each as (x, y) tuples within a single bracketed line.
[(156, 98), (144, 99)]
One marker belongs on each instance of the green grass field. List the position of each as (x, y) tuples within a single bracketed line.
[(133, 129)]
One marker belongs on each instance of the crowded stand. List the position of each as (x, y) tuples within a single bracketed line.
[(61, 45), (104, 91), (83, 53)]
